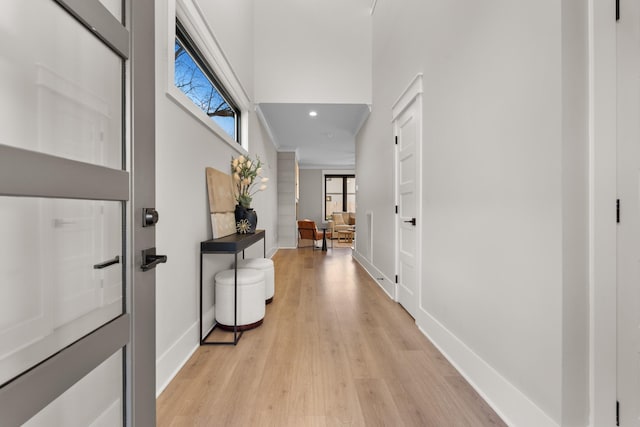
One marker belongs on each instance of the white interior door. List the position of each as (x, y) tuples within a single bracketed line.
[(66, 246), (408, 130), (628, 231)]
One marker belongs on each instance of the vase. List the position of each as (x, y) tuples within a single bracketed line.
[(246, 220)]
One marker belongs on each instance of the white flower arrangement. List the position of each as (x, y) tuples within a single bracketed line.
[(246, 177)]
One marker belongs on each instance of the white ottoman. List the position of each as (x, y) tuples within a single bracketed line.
[(250, 299), (266, 266)]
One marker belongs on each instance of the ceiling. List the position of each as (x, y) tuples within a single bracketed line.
[(324, 141)]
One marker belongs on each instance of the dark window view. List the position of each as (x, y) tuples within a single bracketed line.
[(340, 194)]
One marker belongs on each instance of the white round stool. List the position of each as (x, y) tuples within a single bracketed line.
[(266, 266), (250, 310)]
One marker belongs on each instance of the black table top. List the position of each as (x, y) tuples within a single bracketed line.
[(232, 243)]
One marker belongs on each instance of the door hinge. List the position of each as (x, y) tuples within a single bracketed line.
[(396, 278), (396, 208), (396, 139), (618, 211), (617, 413), (617, 10)]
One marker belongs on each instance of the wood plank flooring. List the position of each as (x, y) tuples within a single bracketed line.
[(333, 350)]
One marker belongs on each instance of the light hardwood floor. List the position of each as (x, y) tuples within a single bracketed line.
[(333, 350)]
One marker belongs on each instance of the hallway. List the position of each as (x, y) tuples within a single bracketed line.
[(333, 350)]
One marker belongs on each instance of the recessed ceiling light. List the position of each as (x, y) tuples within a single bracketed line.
[(313, 113)]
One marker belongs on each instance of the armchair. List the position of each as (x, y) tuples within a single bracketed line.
[(307, 230), (342, 221)]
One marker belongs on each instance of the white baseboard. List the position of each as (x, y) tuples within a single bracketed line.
[(513, 406), (208, 319), (171, 361), (111, 416), (388, 286)]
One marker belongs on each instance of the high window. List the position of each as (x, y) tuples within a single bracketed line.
[(196, 79), (339, 194)]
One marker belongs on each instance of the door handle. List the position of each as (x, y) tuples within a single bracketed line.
[(102, 265), (59, 222), (412, 222), (151, 260)]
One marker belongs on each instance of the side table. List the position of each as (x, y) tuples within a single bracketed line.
[(345, 236), (324, 239)]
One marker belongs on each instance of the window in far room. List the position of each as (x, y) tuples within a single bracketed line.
[(340, 194), (195, 78)]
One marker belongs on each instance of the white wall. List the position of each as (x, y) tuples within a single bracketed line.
[(313, 52), (311, 195), (503, 177), (232, 24), (575, 241), (184, 148), (287, 226)]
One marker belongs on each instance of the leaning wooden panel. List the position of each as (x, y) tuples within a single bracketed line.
[(222, 203)]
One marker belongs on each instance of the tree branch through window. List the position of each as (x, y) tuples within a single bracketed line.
[(197, 82)]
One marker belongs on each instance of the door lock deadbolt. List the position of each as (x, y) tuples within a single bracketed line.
[(149, 217)]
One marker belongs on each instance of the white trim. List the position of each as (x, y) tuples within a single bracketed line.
[(363, 119), (373, 7), (266, 126), (285, 149), (272, 252), (602, 228), (396, 223), (182, 101), (511, 404), (192, 18), (111, 415), (411, 96), (383, 281), (325, 166), (370, 230), (175, 357), (338, 172), (414, 89), (178, 354)]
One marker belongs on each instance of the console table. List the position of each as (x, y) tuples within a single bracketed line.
[(232, 244)]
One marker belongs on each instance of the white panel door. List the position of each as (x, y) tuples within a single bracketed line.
[(407, 127), (628, 231)]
